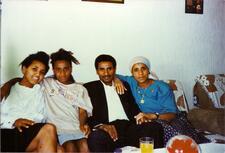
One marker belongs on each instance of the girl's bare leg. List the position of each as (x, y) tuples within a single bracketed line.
[(70, 146), (45, 141), (82, 145)]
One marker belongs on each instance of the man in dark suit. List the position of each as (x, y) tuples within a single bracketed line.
[(113, 120)]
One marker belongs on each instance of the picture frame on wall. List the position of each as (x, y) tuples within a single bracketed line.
[(107, 1), (194, 6)]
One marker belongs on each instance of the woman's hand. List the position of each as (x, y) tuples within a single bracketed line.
[(141, 118), (148, 117), (85, 129), (120, 88), (145, 117), (20, 123)]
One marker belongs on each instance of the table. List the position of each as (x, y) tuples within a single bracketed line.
[(205, 148)]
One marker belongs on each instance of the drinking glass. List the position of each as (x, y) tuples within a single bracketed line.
[(146, 144)]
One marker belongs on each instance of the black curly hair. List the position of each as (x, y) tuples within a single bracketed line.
[(63, 54), (40, 56)]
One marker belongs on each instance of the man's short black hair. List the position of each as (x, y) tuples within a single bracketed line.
[(105, 58)]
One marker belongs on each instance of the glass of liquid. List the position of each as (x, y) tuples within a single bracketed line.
[(146, 144)]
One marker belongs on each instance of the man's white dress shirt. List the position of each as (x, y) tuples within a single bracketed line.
[(115, 107)]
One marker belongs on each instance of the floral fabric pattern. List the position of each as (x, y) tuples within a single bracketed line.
[(181, 125), (214, 86), (177, 88)]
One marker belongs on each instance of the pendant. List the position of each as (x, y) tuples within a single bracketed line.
[(142, 101)]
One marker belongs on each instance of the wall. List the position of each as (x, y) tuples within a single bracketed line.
[(180, 46)]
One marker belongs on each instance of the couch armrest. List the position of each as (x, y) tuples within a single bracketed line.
[(211, 120)]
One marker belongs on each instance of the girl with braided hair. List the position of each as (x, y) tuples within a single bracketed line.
[(68, 103)]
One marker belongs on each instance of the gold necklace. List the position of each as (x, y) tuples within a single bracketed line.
[(142, 101)]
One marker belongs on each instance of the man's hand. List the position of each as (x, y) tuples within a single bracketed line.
[(111, 130), (85, 129), (19, 123)]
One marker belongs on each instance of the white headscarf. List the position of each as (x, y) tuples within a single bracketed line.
[(140, 59), (143, 60)]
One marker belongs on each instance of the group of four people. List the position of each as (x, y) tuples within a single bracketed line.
[(89, 117)]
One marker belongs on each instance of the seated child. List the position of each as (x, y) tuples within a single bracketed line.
[(68, 103), (23, 114)]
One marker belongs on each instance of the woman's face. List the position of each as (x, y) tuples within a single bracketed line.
[(140, 72), (33, 74), (62, 71)]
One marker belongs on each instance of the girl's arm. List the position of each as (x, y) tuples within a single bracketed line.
[(83, 121), (5, 89)]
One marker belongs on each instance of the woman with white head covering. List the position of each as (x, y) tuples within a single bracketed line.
[(156, 100), (152, 96)]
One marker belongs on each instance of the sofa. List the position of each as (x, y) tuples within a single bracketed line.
[(178, 91), (209, 101)]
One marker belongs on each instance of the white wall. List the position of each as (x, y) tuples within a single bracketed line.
[(180, 46)]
